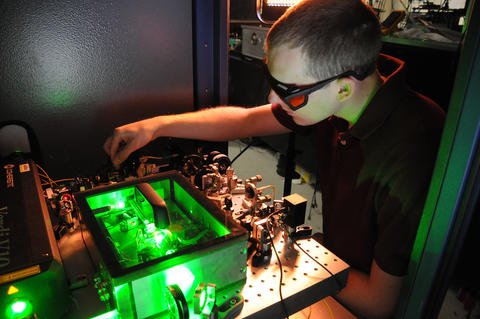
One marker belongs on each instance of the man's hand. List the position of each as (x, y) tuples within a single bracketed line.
[(372, 296), (127, 139)]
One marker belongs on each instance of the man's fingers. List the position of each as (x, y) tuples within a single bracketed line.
[(117, 142), (107, 147), (123, 151), (123, 142), (115, 148)]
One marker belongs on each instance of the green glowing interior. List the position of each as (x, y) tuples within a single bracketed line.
[(127, 219)]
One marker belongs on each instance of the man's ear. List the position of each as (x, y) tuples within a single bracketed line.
[(344, 90)]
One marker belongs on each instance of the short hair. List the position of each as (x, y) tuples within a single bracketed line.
[(335, 36)]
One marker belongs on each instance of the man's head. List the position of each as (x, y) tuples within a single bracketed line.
[(335, 36), (325, 49)]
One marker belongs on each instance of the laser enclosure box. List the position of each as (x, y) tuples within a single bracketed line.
[(138, 259)]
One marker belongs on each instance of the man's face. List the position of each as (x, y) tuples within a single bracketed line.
[(288, 66)]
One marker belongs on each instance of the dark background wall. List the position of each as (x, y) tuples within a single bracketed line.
[(74, 70)]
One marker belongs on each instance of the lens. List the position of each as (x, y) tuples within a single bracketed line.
[(176, 302), (297, 101)]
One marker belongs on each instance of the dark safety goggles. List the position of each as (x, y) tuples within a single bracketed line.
[(297, 96)]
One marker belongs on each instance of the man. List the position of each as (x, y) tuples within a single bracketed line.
[(377, 144)]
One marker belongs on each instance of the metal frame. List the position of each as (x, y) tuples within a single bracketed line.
[(210, 38), (210, 58), (454, 189), (105, 246), (304, 282)]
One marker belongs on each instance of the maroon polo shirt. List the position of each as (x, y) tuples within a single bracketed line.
[(374, 177)]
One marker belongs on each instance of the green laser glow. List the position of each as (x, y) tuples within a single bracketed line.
[(203, 299), (59, 98), (180, 275), (108, 315), (210, 296), (19, 309), (160, 236), (19, 306), (120, 205), (172, 305)]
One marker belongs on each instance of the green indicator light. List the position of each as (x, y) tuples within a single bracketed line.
[(19, 307)]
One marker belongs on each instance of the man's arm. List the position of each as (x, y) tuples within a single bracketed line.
[(371, 296), (214, 124)]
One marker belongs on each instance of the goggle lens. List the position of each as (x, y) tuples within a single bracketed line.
[(300, 98), (297, 101)]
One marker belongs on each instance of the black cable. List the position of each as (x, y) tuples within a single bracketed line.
[(340, 286), (94, 264), (241, 152), (281, 270), (289, 165), (313, 203)]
